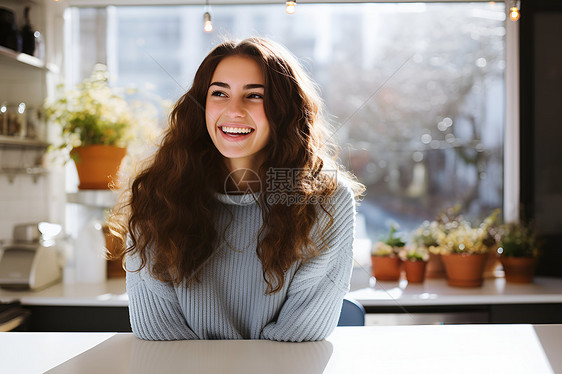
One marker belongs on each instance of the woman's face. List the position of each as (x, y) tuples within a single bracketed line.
[(235, 116)]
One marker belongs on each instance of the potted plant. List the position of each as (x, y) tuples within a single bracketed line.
[(465, 252), (97, 126), (425, 237), (384, 256), (415, 260), (518, 252), (490, 240)]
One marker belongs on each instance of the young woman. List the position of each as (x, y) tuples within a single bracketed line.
[(241, 226)]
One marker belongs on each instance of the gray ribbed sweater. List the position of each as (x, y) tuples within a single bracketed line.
[(230, 302)]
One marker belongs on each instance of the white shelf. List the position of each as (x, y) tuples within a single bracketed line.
[(25, 60), (21, 142), (103, 199)]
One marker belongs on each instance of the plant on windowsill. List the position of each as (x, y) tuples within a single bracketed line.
[(97, 125), (465, 251), (425, 236), (414, 259), (386, 263), (518, 251)]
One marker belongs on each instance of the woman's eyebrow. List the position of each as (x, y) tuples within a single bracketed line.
[(220, 84), (246, 87), (252, 86)]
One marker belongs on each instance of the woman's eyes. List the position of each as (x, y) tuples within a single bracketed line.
[(249, 96), (255, 96)]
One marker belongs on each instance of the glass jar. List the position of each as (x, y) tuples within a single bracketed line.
[(35, 124), (13, 120)]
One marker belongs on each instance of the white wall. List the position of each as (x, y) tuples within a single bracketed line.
[(25, 198)]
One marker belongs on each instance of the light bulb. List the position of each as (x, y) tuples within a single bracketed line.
[(514, 14), (208, 25), (291, 7)]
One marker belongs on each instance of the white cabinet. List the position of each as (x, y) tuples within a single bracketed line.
[(23, 88), (29, 192)]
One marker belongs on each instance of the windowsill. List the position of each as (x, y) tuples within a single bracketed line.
[(437, 292)]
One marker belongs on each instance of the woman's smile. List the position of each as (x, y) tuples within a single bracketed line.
[(235, 132)]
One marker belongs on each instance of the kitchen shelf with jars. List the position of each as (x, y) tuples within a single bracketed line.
[(23, 73)]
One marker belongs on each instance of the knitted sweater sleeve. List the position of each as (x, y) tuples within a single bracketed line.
[(154, 310), (315, 295)]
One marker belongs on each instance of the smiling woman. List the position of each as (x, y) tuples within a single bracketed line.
[(271, 263), (234, 112)]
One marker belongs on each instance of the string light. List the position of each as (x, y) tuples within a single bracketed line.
[(208, 25), (291, 7), (514, 13)]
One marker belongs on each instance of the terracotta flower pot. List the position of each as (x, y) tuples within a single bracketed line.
[(492, 262), (415, 271), (519, 269), (97, 165), (386, 268), (464, 270), (435, 268)]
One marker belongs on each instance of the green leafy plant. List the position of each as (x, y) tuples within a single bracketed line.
[(93, 113), (392, 239), (518, 240), (390, 245), (457, 235), (426, 236), (414, 253)]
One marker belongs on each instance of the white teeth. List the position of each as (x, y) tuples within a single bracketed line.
[(236, 130)]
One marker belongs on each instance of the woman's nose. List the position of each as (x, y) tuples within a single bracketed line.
[(236, 107)]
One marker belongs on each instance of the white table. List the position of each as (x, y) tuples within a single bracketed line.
[(399, 349)]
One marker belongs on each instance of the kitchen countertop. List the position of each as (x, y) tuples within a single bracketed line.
[(111, 293), (382, 349), (432, 292)]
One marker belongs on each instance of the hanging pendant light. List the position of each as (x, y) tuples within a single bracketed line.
[(207, 24), (291, 7)]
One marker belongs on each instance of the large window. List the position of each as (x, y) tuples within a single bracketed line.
[(415, 92)]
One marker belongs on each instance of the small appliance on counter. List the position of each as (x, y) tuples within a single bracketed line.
[(33, 259)]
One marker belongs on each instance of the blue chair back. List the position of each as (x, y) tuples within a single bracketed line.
[(352, 313)]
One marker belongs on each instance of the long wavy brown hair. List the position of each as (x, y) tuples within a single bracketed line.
[(169, 210)]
